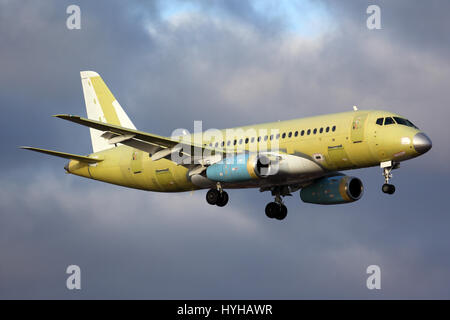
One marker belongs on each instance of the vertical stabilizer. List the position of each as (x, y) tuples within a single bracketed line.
[(101, 106)]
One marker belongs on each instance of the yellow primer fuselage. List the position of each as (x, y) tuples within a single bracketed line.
[(356, 142)]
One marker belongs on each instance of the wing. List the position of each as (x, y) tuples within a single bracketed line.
[(64, 155), (158, 146)]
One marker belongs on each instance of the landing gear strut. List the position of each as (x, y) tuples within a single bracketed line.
[(217, 196), (276, 209), (387, 167)]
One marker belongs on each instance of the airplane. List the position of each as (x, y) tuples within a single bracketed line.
[(282, 157)]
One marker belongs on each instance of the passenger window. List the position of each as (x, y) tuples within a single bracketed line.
[(223, 143), (327, 129), (315, 131), (380, 121), (283, 135), (265, 138), (246, 140), (271, 137), (278, 136), (321, 130), (253, 139), (228, 143), (333, 129), (388, 121), (296, 134), (308, 132), (290, 134), (259, 139), (240, 141), (303, 133), (216, 145), (235, 141)]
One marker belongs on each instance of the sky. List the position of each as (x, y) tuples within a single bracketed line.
[(226, 63)]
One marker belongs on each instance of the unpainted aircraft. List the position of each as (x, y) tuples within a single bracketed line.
[(281, 157)]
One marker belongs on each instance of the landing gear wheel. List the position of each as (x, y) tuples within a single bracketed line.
[(222, 200), (387, 167), (272, 209), (282, 212), (212, 196), (276, 210), (388, 188)]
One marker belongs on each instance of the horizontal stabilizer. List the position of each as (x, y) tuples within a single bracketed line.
[(64, 155)]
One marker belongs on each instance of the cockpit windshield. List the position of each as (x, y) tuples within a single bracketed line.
[(404, 122), (395, 120)]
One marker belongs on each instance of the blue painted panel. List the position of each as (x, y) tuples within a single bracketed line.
[(328, 190), (233, 169)]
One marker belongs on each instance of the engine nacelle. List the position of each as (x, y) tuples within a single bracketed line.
[(333, 190), (247, 166), (242, 167)]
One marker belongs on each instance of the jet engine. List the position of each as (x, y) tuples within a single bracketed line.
[(241, 167), (247, 166), (333, 190)]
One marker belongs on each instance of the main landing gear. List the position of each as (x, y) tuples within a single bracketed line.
[(276, 209), (387, 167), (217, 196)]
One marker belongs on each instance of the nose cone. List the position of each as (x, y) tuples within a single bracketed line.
[(422, 143)]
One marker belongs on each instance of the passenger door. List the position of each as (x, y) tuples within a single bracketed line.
[(358, 125)]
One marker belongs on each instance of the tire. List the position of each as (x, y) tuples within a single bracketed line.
[(391, 189), (222, 199), (388, 188), (212, 196), (271, 210), (282, 212)]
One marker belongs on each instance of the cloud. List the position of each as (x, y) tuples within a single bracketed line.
[(227, 63), (148, 245)]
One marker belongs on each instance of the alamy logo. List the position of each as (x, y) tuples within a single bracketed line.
[(374, 20), (74, 20), (74, 280), (374, 280)]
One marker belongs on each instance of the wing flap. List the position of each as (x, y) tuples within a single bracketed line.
[(64, 155)]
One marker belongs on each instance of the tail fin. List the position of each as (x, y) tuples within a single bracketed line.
[(101, 106)]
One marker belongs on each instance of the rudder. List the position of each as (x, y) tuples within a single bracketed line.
[(101, 105)]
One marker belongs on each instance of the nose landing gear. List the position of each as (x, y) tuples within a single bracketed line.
[(387, 167), (388, 188)]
